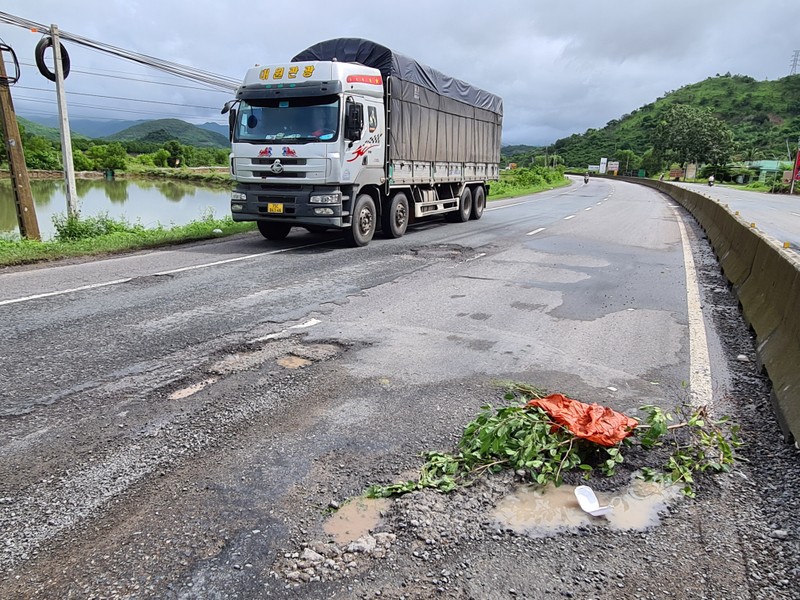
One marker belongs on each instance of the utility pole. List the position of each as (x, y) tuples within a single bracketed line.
[(66, 138), (20, 184), (795, 60)]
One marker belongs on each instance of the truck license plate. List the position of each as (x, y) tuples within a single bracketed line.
[(274, 207)]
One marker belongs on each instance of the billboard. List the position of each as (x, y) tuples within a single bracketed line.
[(603, 165)]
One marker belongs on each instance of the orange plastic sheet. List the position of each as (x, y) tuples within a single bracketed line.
[(598, 424)]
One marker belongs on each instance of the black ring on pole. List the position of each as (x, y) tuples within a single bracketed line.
[(44, 44)]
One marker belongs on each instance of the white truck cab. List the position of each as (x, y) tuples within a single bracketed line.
[(312, 139)]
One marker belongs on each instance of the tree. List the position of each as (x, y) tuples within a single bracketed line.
[(175, 153), (691, 134), (110, 156), (628, 160)]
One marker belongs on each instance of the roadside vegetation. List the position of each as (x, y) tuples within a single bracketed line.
[(100, 235), (726, 122)]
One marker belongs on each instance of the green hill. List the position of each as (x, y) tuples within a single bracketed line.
[(762, 114), (164, 130), (49, 133)]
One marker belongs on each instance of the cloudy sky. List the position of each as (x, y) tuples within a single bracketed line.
[(560, 67)]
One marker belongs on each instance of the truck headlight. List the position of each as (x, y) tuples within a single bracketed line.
[(237, 208), (325, 199), (323, 211), (238, 196)]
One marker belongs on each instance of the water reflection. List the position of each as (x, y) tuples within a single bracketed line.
[(149, 202)]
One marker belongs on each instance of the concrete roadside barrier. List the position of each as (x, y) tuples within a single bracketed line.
[(766, 279)]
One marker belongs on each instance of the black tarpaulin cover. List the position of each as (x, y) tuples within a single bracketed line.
[(433, 117)]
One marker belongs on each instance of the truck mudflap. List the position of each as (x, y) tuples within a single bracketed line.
[(290, 205)]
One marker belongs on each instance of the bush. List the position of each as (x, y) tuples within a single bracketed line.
[(72, 228)]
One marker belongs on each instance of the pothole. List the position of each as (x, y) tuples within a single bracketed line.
[(441, 251), (192, 389), (355, 519), (543, 512), (293, 362), (287, 353)]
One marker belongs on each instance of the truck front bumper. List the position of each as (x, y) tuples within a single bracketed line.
[(288, 204)]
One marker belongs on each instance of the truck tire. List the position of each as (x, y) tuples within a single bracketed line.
[(274, 231), (464, 211), (394, 218), (478, 203), (363, 224)]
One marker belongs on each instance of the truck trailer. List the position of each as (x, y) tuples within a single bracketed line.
[(351, 135)]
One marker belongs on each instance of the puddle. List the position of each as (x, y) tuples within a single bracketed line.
[(192, 389), (355, 519), (542, 512), (293, 362)]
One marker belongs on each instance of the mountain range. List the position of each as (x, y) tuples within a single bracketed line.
[(159, 130)]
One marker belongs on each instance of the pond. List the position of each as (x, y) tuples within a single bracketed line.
[(148, 202)]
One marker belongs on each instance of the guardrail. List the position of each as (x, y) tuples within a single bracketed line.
[(766, 279)]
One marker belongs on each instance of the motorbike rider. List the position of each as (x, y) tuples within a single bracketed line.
[(586, 177), (710, 180)]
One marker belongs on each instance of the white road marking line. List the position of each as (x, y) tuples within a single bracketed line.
[(599, 203), (699, 363), (590, 208), (69, 291), (569, 217), (504, 206), (487, 209), (796, 214), (283, 332), (127, 279), (476, 257), (535, 231)]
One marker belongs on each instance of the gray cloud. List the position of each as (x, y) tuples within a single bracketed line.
[(561, 68)]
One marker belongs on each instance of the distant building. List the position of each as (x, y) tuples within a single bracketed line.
[(763, 168)]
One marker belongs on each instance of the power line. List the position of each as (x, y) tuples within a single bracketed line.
[(185, 72), (22, 87), (114, 109), (166, 83)]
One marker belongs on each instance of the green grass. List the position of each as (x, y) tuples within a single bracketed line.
[(102, 236), (522, 182)]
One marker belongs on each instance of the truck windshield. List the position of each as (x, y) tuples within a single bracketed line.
[(291, 120)]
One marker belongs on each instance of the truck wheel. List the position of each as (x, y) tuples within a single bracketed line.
[(394, 220), (363, 223), (464, 208), (274, 231), (478, 203)]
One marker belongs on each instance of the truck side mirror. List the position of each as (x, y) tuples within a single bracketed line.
[(231, 123), (229, 108), (353, 121)]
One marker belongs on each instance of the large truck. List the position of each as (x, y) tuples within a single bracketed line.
[(350, 135)]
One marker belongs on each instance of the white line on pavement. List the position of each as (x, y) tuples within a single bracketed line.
[(535, 231), (170, 272), (699, 363), (282, 332), (569, 217)]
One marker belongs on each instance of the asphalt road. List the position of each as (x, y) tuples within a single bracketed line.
[(777, 215), (167, 416)]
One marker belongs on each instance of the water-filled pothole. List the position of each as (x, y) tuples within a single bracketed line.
[(542, 512), (355, 519)]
